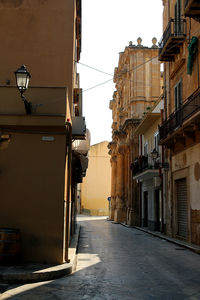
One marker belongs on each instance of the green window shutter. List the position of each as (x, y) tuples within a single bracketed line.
[(192, 50)]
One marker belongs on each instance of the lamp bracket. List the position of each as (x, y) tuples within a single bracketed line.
[(27, 104)]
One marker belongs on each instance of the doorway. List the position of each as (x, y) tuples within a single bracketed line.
[(182, 208), (157, 210), (145, 211)]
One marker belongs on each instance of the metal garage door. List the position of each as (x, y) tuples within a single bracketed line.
[(182, 208)]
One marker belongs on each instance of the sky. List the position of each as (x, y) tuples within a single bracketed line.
[(107, 28)]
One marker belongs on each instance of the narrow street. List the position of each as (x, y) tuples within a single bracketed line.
[(116, 262)]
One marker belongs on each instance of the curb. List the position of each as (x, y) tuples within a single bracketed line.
[(3, 288), (27, 274), (193, 248)]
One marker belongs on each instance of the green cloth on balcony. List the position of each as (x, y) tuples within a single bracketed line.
[(192, 49)]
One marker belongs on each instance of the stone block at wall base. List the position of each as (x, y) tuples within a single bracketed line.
[(132, 218), (152, 225), (195, 220), (111, 214), (85, 211), (120, 215), (95, 212)]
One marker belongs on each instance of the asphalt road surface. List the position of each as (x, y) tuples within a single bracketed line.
[(120, 263)]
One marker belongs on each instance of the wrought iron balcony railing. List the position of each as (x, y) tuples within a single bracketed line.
[(172, 38), (177, 118), (143, 163)]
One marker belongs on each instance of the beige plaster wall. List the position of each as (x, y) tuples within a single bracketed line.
[(32, 194), (39, 34), (190, 158), (96, 186)]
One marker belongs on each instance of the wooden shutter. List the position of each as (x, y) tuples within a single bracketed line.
[(177, 17), (179, 93)]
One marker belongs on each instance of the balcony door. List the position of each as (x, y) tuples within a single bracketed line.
[(178, 101), (157, 203), (177, 18), (145, 209)]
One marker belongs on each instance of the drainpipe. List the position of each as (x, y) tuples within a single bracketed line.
[(67, 200)]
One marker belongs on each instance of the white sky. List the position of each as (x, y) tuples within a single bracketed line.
[(107, 28)]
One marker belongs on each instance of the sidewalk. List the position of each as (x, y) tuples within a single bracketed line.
[(191, 247), (40, 272)]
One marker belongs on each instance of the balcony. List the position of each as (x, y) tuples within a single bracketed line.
[(172, 38), (189, 113), (143, 168), (78, 128), (77, 102), (192, 9)]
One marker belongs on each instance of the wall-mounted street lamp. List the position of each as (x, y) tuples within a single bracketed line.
[(154, 154), (22, 81)]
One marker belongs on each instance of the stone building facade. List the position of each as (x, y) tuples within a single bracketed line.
[(180, 130), (138, 85)]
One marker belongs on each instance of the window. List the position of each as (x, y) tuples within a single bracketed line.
[(156, 141), (178, 95), (178, 102), (177, 17), (145, 149)]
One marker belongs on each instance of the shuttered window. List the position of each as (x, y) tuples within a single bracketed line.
[(156, 141), (178, 102), (177, 17), (178, 95), (182, 208)]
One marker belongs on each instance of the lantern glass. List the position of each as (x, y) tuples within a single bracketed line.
[(154, 154), (22, 79)]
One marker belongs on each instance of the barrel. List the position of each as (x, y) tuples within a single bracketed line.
[(9, 246)]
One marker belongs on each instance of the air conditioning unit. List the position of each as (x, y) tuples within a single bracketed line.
[(78, 128)]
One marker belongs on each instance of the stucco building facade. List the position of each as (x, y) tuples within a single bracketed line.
[(179, 132), (36, 149), (138, 86), (147, 170), (96, 186)]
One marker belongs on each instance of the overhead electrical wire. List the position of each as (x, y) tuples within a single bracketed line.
[(93, 68), (136, 67), (102, 83), (93, 87)]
